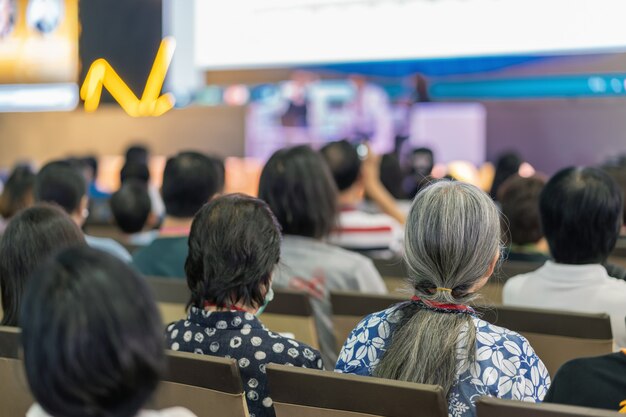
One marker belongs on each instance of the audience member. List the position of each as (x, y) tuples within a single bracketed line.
[(507, 165), (61, 183), (357, 229), (92, 339), (297, 185), (17, 193), (596, 382), (137, 165), (31, 237), (234, 247), (452, 245), (90, 167), (131, 208), (519, 200), (391, 175), (581, 215), (190, 180), (420, 167)]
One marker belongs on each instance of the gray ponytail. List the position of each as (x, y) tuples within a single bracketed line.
[(451, 238)]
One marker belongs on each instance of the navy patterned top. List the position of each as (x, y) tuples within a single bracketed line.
[(240, 335)]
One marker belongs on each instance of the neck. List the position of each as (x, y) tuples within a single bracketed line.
[(236, 307)]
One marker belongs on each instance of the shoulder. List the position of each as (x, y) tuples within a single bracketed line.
[(108, 245), (287, 350)]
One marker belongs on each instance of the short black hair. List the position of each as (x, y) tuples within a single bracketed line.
[(29, 239), (234, 245), (18, 191), (581, 215), (137, 153), (190, 179), (135, 170), (344, 163), (91, 162), (92, 324), (297, 185), (519, 200), (61, 183), (131, 206)]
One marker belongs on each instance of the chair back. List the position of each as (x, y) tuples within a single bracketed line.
[(291, 313), (495, 407), (172, 295), (299, 392), (492, 292), (207, 385), (350, 307), (15, 396), (394, 275), (556, 336)]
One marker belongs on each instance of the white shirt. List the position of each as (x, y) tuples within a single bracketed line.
[(580, 288), (36, 411), (362, 231)]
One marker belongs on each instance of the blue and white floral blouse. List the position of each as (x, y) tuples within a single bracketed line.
[(240, 335), (506, 365)]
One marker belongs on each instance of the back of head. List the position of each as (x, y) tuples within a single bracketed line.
[(135, 171), (297, 185), (519, 199), (103, 351), (452, 239), (18, 191), (61, 183), (189, 181), (234, 245), (344, 163), (131, 206), (30, 238), (220, 169), (137, 154), (581, 215)]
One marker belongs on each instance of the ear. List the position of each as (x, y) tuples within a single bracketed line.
[(493, 264)]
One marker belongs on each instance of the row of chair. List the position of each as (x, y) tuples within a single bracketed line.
[(556, 336), (211, 386)]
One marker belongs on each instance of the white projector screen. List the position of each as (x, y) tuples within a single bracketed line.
[(264, 33)]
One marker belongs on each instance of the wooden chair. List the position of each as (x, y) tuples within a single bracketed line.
[(15, 397), (172, 295), (556, 336), (394, 275), (350, 307), (495, 407), (207, 385), (491, 293), (299, 392), (291, 313)]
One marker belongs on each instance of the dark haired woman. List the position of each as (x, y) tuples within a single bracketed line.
[(234, 247), (297, 185), (452, 245), (92, 339), (30, 238)]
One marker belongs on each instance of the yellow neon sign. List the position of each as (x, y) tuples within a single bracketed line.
[(101, 74)]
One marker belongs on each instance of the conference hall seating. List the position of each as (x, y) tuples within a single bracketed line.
[(300, 392), (494, 407)]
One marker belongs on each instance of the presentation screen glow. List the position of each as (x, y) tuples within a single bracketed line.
[(266, 33)]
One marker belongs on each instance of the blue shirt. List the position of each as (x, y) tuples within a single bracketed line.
[(240, 335), (505, 365)]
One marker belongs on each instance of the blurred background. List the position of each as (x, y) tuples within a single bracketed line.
[(468, 80)]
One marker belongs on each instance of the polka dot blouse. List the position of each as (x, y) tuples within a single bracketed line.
[(240, 335)]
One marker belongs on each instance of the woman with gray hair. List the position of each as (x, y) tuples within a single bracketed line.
[(452, 246)]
